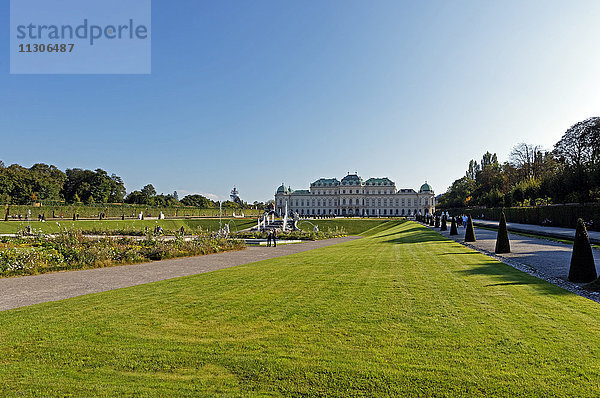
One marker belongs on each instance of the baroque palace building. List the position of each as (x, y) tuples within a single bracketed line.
[(354, 197)]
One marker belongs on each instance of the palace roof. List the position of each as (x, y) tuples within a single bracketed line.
[(326, 182), (379, 181)]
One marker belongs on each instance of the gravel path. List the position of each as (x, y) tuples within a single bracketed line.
[(28, 290), (543, 258), (553, 232)]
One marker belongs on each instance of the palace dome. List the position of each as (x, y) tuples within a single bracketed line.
[(426, 188), (283, 189)]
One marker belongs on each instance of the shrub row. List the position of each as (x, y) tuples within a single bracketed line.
[(117, 210)]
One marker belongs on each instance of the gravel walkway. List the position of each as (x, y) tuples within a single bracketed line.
[(553, 232), (28, 290), (543, 258)]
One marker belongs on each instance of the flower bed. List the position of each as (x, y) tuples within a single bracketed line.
[(71, 250)]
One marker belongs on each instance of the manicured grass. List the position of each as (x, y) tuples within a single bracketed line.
[(351, 226), (191, 225), (402, 312)]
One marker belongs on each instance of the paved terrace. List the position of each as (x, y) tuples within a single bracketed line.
[(28, 290)]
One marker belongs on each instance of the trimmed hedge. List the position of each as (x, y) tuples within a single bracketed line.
[(116, 211), (583, 269), (470, 232), (502, 241), (453, 229)]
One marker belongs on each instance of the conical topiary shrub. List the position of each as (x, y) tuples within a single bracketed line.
[(453, 230), (437, 221), (582, 268), (502, 242), (470, 233), (444, 227)]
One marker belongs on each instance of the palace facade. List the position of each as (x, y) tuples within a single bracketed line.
[(354, 197)]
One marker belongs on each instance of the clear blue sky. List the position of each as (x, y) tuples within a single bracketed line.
[(257, 93)]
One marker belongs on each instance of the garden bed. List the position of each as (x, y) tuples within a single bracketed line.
[(72, 250)]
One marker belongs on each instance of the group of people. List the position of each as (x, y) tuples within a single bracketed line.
[(272, 238), (461, 220)]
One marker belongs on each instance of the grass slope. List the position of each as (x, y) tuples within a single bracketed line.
[(351, 226), (190, 225), (403, 312)]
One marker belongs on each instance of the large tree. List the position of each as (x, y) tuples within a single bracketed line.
[(93, 186), (197, 201)]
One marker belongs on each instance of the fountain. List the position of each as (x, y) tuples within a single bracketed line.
[(285, 217)]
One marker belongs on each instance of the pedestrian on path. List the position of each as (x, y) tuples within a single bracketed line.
[(269, 237), (464, 217)]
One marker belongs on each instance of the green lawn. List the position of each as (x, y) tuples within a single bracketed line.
[(401, 312), (191, 225), (351, 226)]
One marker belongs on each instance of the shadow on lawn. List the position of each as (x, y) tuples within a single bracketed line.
[(510, 283), (506, 276), (414, 235), (413, 229), (453, 253)]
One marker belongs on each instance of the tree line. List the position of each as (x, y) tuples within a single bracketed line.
[(46, 183), (568, 173)]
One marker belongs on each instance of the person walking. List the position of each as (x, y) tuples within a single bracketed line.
[(269, 237), (274, 238)]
